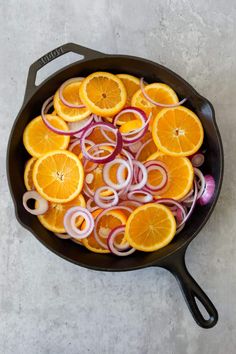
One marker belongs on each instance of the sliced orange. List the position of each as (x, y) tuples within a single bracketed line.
[(28, 174), (103, 93), (177, 131), (53, 219), (38, 139), (71, 94), (109, 221), (159, 92), (132, 85), (58, 176), (156, 232), (90, 242), (180, 176)]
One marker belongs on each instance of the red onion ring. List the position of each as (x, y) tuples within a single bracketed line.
[(197, 160), (60, 92), (138, 133), (45, 106), (80, 125), (158, 104), (98, 198), (161, 167), (70, 222), (192, 206), (209, 190), (112, 155), (104, 212), (111, 242), (90, 207), (145, 197), (143, 180), (170, 201), (106, 177), (42, 203), (135, 147), (141, 148)]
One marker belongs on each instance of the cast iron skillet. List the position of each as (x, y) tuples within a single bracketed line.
[(172, 257)]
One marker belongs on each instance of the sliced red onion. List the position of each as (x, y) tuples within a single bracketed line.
[(104, 212), (143, 180), (192, 206), (137, 134), (112, 155), (70, 222), (61, 88), (158, 104), (199, 174), (161, 167), (97, 118), (44, 109), (101, 201), (111, 243), (80, 125), (209, 190), (135, 147), (90, 207), (141, 148), (106, 176), (140, 196), (91, 168), (42, 203), (170, 202), (198, 160), (62, 236)]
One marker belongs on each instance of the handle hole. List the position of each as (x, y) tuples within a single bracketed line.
[(55, 65), (202, 309)]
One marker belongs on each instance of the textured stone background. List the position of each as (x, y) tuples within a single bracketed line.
[(50, 306)]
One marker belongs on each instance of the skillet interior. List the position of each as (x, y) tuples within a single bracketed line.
[(17, 156)]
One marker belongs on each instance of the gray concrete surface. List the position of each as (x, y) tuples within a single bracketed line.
[(50, 306)]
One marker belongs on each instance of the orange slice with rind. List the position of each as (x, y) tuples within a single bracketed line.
[(58, 176), (177, 131), (150, 227), (38, 139), (103, 93)]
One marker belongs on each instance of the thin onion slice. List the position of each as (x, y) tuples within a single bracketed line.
[(158, 104), (98, 218), (161, 167), (169, 202), (44, 109), (197, 159), (111, 243), (102, 201), (112, 155), (61, 88), (209, 190), (143, 180), (106, 176), (137, 134), (70, 222), (192, 206), (140, 196), (42, 203)]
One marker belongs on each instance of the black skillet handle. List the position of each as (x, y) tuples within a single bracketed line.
[(47, 58), (192, 291)]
